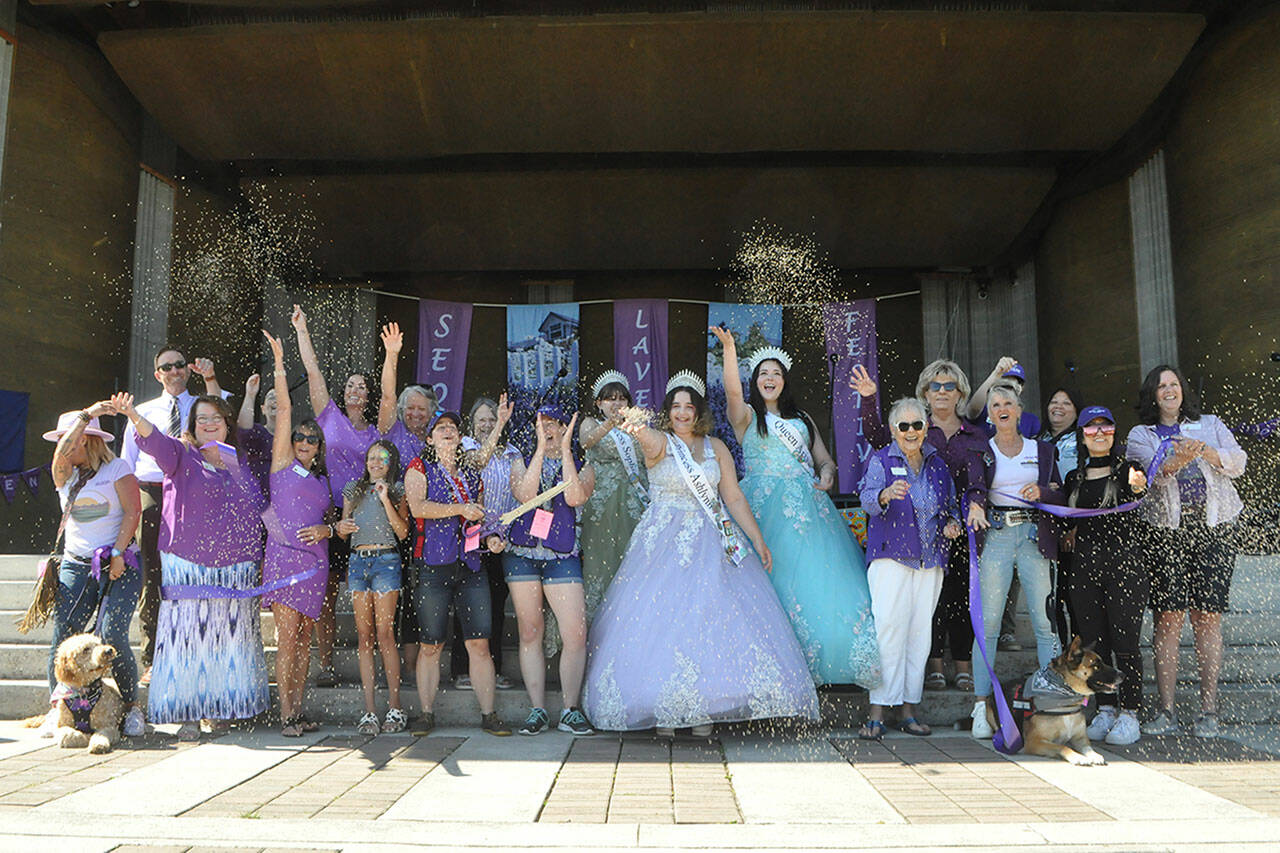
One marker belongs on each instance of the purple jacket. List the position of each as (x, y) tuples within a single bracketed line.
[(964, 453), (1051, 492), (910, 530)]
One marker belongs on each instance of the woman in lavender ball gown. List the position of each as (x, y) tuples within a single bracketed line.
[(691, 632)]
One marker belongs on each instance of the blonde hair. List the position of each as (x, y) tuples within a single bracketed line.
[(96, 452), (943, 367)]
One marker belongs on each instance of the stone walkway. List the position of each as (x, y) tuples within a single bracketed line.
[(335, 790)]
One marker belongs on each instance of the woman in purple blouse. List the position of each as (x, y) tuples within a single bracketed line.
[(208, 660)]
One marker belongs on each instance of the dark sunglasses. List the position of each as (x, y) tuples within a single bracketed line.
[(170, 365), (308, 437), (903, 426), (943, 386), (1105, 429)]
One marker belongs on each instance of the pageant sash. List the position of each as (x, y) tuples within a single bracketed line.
[(706, 496), (791, 438), (630, 462)]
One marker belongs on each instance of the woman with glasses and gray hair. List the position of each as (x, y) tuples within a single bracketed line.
[(910, 501), (944, 389)]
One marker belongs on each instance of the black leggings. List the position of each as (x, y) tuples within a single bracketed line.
[(951, 616), (1108, 594)]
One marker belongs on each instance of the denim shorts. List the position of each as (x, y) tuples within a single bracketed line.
[(376, 572), (561, 570), (443, 585)]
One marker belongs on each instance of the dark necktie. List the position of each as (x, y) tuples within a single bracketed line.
[(175, 420)]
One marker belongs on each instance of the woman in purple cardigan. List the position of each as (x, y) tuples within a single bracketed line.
[(208, 660), (910, 501)]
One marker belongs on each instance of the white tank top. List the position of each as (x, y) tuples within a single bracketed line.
[(1013, 474)]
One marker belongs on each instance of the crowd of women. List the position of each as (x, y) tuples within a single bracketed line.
[(681, 597)]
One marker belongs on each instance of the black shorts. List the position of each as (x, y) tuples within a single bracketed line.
[(452, 583), (1191, 565)]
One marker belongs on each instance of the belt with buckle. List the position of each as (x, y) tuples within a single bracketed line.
[(1011, 517)]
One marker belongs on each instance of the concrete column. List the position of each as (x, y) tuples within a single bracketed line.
[(1153, 264), (152, 250), (8, 41)]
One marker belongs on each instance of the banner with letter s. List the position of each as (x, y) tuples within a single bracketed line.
[(444, 333)]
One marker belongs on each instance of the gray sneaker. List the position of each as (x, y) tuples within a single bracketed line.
[(1165, 723), (536, 723), (573, 721), (1206, 725)]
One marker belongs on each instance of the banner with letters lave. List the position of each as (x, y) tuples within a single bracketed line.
[(640, 348)]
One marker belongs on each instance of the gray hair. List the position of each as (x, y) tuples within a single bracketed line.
[(1008, 392), (479, 404), (403, 399), (900, 407), (944, 367)]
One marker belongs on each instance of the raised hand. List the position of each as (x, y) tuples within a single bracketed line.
[(277, 348), (392, 338), (251, 386), (122, 404), (298, 319), (505, 408), (1004, 365), (860, 380), (100, 408), (203, 367), (566, 443), (724, 336)]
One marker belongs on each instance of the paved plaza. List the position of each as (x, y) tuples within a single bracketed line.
[(459, 789)]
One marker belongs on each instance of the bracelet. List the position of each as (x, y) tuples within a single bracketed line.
[(332, 530), (85, 416)]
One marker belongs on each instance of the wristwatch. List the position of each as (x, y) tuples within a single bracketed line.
[(116, 552)]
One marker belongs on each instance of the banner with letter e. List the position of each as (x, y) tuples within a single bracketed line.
[(850, 332), (640, 348), (444, 333)]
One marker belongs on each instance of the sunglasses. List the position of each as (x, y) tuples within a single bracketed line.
[(308, 437), (1105, 429), (943, 386), (207, 420), (170, 365), (903, 426)]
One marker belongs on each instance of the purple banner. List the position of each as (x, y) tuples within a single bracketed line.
[(640, 348), (444, 333), (32, 479), (9, 486), (851, 340)]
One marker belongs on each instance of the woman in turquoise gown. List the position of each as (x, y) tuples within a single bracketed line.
[(819, 571)]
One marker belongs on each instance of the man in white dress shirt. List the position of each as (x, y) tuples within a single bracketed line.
[(168, 412)]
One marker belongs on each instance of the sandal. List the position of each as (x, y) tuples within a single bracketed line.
[(964, 681), (935, 681), (307, 725), (912, 726), (292, 727), (871, 730), (369, 724)]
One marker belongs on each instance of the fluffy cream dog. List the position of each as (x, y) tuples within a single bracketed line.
[(87, 701)]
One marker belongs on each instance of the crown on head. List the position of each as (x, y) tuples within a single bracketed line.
[(687, 379), (764, 354), (607, 377)]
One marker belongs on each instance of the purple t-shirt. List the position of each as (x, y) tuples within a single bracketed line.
[(211, 516), (1191, 487), (345, 448), (409, 445)]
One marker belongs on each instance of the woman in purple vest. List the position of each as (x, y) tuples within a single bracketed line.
[(910, 501), (208, 661), (297, 545), (547, 564)]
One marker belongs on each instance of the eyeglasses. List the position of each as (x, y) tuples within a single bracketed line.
[(170, 365), (943, 386), (917, 426), (308, 437), (1105, 429), (207, 420)]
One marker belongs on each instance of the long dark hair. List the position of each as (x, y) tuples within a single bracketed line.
[(1115, 459), (1074, 395), (611, 390), (787, 407), (393, 469), (224, 409), (1149, 406), (373, 396), (317, 467)]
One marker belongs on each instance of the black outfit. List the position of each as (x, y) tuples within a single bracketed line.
[(951, 623), (1109, 582), (459, 662), (148, 536)]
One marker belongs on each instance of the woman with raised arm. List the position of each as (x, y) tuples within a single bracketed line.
[(348, 433), (208, 662), (403, 418), (543, 562), (691, 632), (103, 505), (819, 572), (297, 549), (255, 438)]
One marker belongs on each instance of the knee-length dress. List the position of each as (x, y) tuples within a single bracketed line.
[(298, 499), (819, 571), (685, 636)]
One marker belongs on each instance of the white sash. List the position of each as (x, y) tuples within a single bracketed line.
[(707, 496), (630, 461), (791, 438)]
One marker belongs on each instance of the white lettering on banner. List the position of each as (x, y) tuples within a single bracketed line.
[(442, 392), (642, 346), (440, 358), (642, 368), (640, 318), (442, 326), (642, 398)]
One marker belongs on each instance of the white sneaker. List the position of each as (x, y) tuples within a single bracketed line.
[(981, 728), (703, 730), (1102, 722), (661, 731), (1126, 730), (134, 723)]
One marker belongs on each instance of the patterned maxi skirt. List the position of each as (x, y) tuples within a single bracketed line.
[(208, 661)]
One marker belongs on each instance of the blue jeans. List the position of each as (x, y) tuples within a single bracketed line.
[(1005, 547), (77, 603)]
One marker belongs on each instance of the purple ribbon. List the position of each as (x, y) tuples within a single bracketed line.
[(102, 557), (1007, 739), (183, 591)]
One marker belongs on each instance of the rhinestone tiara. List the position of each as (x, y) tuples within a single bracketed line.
[(687, 379), (607, 377), (764, 353)]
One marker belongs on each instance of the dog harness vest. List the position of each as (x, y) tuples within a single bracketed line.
[(80, 702), (1044, 692)]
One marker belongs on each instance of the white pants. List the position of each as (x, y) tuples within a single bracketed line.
[(902, 602)]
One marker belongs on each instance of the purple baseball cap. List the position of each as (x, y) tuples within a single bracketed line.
[(1016, 372), (554, 412), (441, 414), (1092, 413)]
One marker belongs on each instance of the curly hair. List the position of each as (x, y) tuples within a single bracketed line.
[(703, 423)]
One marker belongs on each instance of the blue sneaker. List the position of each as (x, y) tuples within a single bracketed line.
[(536, 723), (573, 721)]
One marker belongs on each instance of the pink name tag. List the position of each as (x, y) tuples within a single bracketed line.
[(541, 524), (472, 541)]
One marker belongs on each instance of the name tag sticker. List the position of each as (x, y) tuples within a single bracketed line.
[(541, 524), (472, 538), (210, 468), (1191, 426), (299, 470), (898, 472)]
